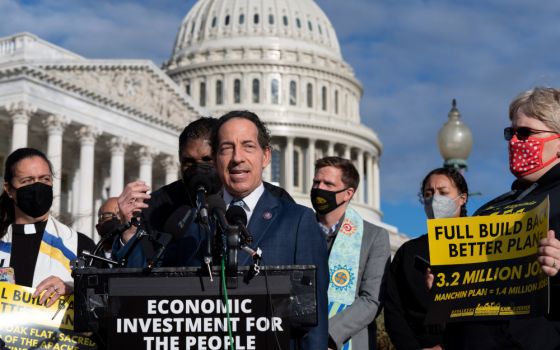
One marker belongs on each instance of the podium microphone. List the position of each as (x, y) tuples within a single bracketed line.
[(236, 215), (111, 235), (203, 186)]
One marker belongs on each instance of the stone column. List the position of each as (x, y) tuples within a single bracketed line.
[(87, 136), (310, 161), (118, 146), (347, 153), (20, 112), (330, 149), (376, 186), (289, 164), (361, 172), (55, 125), (369, 174), (74, 207), (267, 172), (145, 158), (170, 164)]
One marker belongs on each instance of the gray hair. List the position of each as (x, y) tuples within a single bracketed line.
[(541, 103)]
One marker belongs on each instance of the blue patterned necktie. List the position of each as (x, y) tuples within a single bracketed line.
[(237, 203)]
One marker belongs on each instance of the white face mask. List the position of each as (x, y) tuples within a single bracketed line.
[(439, 207)]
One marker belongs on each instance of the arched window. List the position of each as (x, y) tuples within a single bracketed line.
[(336, 102), (285, 19), (324, 98), (256, 18), (309, 95), (227, 20), (274, 93), (293, 93), (275, 166), (298, 23), (310, 26), (270, 19), (214, 21), (320, 30), (256, 91), (237, 91), (241, 18), (188, 88), (202, 96), (219, 92)]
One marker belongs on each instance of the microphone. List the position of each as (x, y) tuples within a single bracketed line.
[(217, 208), (236, 215), (179, 221), (111, 235), (213, 204), (202, 186)]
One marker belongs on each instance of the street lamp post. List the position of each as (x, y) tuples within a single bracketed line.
[(455, 140)]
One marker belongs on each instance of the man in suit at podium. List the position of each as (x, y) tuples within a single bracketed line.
[(355, 279), (287, 233), (160, 208)]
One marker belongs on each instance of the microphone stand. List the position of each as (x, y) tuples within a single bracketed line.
[(140, 234), (93, 256), (203, 219), (238, 217)]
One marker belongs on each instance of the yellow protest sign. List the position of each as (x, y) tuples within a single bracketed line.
[(478, 239), (485, 267), (26, 323)]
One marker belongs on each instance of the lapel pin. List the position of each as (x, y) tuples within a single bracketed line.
[(267, 215)]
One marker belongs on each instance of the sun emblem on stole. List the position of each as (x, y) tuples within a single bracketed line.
[(341, 277), (348, 228)]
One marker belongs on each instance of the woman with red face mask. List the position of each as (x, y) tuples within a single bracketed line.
[(534, 157), (38, 247)]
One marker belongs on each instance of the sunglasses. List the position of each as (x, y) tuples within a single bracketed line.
[(522, 132)]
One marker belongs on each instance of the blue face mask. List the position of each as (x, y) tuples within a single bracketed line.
[(439, 207)]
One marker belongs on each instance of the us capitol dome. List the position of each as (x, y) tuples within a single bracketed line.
[(105, 122), (281, 60)]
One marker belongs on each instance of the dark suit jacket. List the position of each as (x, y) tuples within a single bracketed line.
[(166, 207), (288, 234)]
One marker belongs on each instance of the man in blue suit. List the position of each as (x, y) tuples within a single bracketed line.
[(287, 233)]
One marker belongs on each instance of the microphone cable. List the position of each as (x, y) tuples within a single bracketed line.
[(226, 302)]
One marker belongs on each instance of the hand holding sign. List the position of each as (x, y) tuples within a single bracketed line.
[(549, 254), (53, 288)]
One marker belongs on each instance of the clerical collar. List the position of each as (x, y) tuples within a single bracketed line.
[(29, 229)]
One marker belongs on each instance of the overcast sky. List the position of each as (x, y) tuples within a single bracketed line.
[(413, 57)]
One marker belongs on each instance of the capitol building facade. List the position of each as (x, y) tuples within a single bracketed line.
[(104, 123)]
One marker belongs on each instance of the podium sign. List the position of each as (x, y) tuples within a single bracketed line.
[(174, 308)]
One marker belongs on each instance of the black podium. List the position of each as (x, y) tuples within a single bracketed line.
[(179, 308)]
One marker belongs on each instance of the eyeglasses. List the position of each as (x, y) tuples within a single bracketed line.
[(522, 132), (106, 216)]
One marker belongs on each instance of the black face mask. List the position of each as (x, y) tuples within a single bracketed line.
[(35, 199), (206, 171), (106, 227), (324, 201)]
